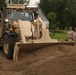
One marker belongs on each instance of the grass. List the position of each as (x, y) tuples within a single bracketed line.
[(59, 35)]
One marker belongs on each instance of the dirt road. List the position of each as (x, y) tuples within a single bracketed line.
[(53, 60)]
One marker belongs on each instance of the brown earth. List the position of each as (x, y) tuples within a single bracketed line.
[(53, 60)]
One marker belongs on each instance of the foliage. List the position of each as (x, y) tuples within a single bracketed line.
[(52, 17), (65, 11), (2, 3), (59, 35)]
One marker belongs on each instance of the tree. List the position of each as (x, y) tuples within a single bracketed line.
[(2, 3), (65, 11), (52, 17), (44, 5)]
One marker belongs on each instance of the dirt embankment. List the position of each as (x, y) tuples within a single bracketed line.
[(53, 60)]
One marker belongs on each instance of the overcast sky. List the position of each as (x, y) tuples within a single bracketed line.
[(34, 2)]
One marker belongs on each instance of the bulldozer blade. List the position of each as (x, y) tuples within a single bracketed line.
[(35, 46)]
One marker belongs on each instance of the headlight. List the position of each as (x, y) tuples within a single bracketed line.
[(34, 20), (6, 20), (11, 29), (15, 22)]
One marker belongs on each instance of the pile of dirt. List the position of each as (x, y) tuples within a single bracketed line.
[(51, 60)]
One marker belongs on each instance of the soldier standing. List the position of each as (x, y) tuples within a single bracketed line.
[(70, 34), (75, 34)]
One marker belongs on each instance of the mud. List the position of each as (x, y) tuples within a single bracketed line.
[(53, 60)]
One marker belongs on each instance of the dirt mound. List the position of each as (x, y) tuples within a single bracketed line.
[(54, 60)]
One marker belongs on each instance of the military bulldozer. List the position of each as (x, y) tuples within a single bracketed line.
[(22, 29)]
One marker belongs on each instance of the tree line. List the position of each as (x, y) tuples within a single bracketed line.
[(2, 3), (60, 13)]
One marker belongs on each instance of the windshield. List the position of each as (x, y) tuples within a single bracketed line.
[(20, 16)]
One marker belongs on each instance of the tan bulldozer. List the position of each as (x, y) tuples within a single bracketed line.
[(21, 29)]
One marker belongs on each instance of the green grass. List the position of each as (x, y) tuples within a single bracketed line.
[(59, 35)]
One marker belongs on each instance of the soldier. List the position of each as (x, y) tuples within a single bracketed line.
[(70, 34), (75, 34)]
